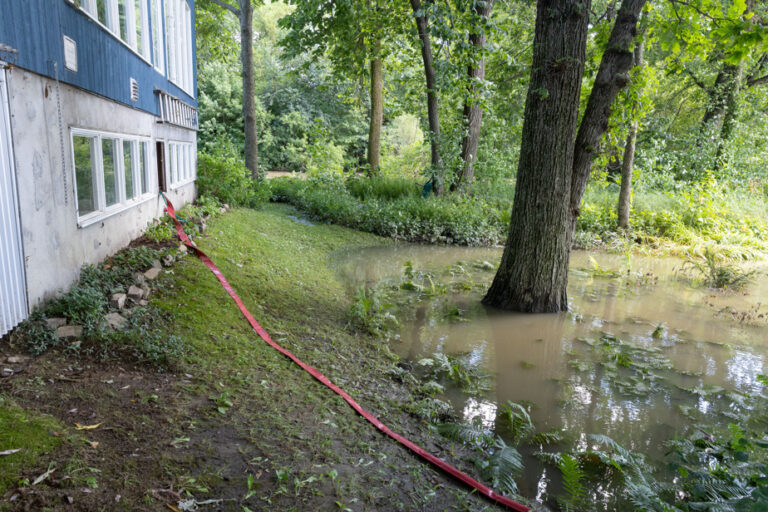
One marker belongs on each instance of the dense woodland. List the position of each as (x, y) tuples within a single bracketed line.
[(607, 123)]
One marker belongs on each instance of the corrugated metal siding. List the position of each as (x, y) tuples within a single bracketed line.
[(105, 66), (13, 295)]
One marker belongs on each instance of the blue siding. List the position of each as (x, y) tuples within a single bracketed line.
[(105, 65)]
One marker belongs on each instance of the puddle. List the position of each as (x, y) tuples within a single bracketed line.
[(300, 220), (554, 360)]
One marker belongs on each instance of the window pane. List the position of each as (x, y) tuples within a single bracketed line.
[(143, 167), (122, 13), (139, 26), (108, 147), (101, 7), (130, 189), (86, 192), (157, 34)]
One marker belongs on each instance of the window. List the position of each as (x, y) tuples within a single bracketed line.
[(111, 173), (181, 163), (84, 150), (126, 19), (158, 57), (178, 39)]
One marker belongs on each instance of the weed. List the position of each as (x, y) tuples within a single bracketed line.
[(718, 274)]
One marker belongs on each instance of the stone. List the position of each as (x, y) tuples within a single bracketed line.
[(118, 301), (55, 323), (156, 264), (69, 331), (144, 291), (116, 321), (138, 278), (168, 260), (135, 293), (7, 372), (143, 302), (182, 248), (17, 359), (152, 273)]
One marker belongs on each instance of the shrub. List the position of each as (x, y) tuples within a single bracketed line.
[(229, 181)]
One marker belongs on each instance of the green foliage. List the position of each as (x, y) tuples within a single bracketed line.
[(369, 314), (572, 481), (718, 274), (225, 178)]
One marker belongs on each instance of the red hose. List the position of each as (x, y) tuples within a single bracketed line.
[(440, 463)]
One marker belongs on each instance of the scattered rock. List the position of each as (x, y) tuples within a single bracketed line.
[(202, 225), (116, 321), (69, 331), (143, 302), (138, 278), (135, 293), (144, 291), (156, 264), (17, 359), (183, 249), (152, 273), (168, 260), (55, 323), (7, 372), (118, 301)]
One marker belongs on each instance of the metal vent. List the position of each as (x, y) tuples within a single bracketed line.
[(134, 90)]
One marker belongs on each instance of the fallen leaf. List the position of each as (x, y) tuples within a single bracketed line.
[(9, 452), (44, 476), (94, 444), (87, 427)]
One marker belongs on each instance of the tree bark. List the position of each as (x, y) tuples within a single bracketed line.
[(249, 89), (473, 111), (377, 112), (612, 76), (628, 163), (422, 26), (533, 273)]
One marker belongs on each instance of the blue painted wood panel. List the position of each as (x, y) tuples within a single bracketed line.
[(105, 65)]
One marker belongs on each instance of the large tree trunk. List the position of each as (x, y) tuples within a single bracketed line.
[(422, 26), (533, 273), (249, 91), (612, 76), (628, 163), (473, 111), (377, 113)]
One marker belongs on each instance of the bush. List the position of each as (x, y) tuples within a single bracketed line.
[(226, 179)]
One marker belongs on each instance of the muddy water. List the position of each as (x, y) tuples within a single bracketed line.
[(704, 342)]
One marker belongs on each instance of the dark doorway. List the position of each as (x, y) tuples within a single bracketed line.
[(161, 167)]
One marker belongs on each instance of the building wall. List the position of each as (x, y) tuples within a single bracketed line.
[(54, 246), (34, 28)]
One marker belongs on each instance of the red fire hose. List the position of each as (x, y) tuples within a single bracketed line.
[(435, 461)]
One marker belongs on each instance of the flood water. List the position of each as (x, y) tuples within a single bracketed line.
[(699, 351)]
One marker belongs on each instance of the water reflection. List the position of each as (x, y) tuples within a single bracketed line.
[(558, 361)]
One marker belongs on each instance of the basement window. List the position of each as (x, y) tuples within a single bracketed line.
[(182, 163), (111, 173)]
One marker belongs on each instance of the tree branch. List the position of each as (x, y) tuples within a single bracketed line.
[(228, 7)]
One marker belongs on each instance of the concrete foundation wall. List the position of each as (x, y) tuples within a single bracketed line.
[(54, 246)]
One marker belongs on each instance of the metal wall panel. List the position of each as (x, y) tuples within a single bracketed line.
[(13, 291)]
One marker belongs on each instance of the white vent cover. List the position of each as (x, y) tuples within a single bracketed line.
[(70, 54), (134, 90)]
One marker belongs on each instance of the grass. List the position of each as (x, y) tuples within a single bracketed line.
[(29, 432), (237, 419), (683, 222)]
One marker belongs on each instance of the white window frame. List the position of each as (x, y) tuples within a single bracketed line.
[(112, 26), (180, 163), (178, 47), (158, 35), (102, 211)]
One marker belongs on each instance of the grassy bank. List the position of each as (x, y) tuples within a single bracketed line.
[(228, 418), (733, 224)]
